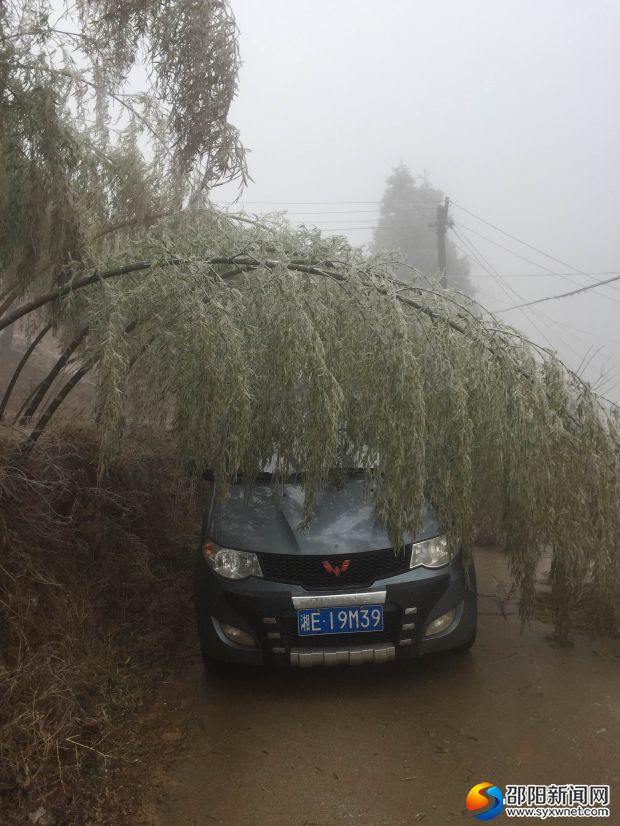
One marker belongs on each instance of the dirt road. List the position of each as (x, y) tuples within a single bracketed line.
[(392, 744)]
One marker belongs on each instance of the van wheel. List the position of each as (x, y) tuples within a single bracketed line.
[(220, 668), (466, 646), (211, 666)]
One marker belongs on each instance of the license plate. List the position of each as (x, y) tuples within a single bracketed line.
[(340, 620)]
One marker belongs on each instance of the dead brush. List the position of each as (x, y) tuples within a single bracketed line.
[(93, 594)]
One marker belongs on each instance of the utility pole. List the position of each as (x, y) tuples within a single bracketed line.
[(442, 225)]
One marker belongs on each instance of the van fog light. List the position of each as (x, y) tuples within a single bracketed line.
[(437, 626), (237, 635)]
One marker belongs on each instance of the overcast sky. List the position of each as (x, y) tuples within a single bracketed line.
[(511, 107)]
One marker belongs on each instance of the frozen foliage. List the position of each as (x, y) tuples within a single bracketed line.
[(249, 342), (81, 155)]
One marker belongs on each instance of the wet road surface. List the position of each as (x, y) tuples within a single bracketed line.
[(399, 743)]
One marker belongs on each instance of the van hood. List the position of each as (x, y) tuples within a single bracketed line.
[(344, 521)]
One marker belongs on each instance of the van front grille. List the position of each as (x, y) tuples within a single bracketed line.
[(353, 570)]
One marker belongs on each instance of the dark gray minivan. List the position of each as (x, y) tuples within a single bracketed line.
[(268, 592)]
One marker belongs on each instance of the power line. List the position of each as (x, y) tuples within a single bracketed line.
[(350, 211), (336, 229), (501, 246), (482, 262), (473, 251), (510, 290), (525, 243), (494, 275), (319, 203), (590, 333), (334, 212), (569, 277), (562, 295), (333, 221), (519, 240), (544, 274)]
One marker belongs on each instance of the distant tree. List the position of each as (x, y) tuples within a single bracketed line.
[(408, 210)]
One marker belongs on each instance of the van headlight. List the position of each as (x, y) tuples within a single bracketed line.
[(229, 563), (432, 553)]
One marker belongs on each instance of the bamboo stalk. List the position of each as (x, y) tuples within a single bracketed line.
[(19, 368), (47, 382), (240, 263), (52, 407)]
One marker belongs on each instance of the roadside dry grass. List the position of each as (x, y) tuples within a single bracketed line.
[(94, 597)]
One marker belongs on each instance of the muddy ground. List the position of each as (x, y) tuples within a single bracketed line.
[(396, 744)]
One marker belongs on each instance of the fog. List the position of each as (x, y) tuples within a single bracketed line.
[(511, 108)]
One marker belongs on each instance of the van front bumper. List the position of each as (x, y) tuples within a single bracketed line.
[(266, 611)]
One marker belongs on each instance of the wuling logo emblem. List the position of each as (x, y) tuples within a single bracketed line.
[(336, 570)]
